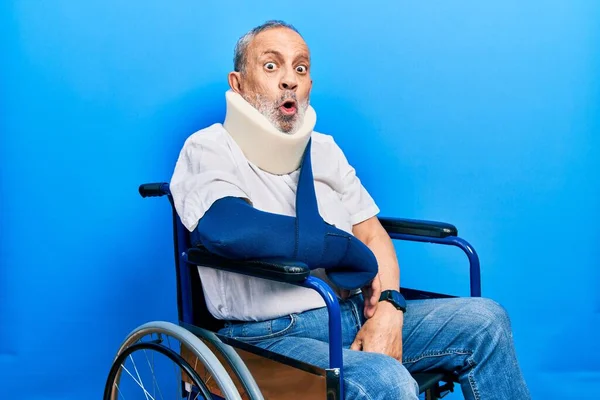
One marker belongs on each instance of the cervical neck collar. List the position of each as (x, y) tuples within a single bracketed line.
[(264, 145)]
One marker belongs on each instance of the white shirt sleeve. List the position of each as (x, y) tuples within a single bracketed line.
[(355, 198), (204, 173)]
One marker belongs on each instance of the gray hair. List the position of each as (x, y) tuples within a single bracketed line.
[(240, 56)]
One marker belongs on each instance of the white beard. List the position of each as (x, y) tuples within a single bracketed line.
[(270, 110)]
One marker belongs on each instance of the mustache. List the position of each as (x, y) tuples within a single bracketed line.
[(290, 95), (287, 95)]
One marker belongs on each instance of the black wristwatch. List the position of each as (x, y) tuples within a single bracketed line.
[(394, 297)]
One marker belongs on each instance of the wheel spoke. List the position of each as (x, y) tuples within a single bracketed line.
[(139, 377), (155, 384), (196, 397), (119, 390), (177, 379), (139, 383)]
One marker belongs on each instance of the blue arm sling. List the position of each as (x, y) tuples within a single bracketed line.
[(234, 229)]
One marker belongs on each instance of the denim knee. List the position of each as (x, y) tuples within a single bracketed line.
[(379, 377), (488, 319)]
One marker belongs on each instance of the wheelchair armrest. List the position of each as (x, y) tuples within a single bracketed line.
[(287, 271), (439, 233), (415, 294), (418, 228), (154, 189)]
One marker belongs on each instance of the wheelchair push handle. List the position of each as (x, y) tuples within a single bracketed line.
[(154, 189)]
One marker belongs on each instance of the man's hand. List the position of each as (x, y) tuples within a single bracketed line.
[(382, 333), (371, 294)]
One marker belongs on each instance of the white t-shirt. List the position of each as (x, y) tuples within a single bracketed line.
[(212, 166)]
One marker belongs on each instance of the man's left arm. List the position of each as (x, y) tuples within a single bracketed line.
[(382, 332)]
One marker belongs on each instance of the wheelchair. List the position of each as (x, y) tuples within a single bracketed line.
[(198, 363)]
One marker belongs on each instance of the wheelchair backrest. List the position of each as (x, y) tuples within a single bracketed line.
[(191, 304)]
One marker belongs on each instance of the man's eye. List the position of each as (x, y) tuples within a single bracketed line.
[(301, 69), (270, 66)]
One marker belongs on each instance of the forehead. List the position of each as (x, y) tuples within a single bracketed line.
[(282, 40)]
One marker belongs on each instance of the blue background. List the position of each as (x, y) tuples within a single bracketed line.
[(483, 114)]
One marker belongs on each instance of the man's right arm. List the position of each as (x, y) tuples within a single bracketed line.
[(205, 172), (234, 229)]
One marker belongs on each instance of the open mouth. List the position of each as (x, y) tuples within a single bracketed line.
[(288, 107)]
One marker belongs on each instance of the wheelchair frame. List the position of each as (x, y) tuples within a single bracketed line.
[(195, 317)]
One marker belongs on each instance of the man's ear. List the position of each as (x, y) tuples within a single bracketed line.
[(235, 81)]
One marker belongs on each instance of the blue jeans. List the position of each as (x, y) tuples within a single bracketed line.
[(471, 336)]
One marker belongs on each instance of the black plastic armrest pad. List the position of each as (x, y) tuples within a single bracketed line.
[(418, 227), (154, 189), (416, 294), (288, 271)]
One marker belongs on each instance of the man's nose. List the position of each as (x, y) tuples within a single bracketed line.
[(288, 81)]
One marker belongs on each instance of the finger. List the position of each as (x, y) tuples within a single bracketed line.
[(375, 291), (371, 299), (369, 310), (370, 306), (376, 287), (374, 299)]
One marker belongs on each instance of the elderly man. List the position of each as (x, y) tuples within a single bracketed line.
[(250, 165)]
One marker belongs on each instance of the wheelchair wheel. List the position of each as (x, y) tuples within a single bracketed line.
[(159, 360)]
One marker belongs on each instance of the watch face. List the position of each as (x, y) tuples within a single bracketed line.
[(396, 299), (399, 299)]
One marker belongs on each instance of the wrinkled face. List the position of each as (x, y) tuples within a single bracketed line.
[(276, 80)]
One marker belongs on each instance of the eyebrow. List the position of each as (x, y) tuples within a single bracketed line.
[(302, 56), (273, 52), (277, 54)]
